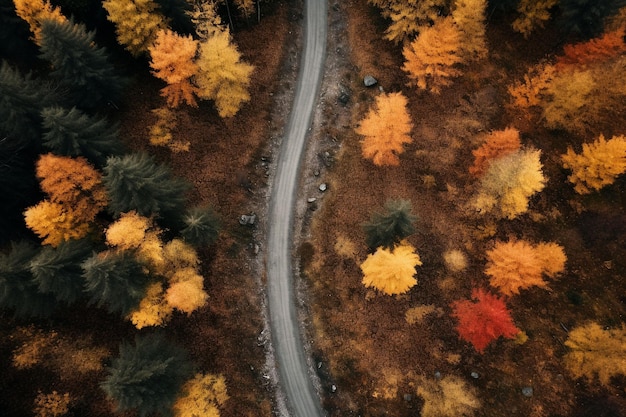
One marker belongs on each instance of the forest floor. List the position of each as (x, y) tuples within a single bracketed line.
[(374, 355)]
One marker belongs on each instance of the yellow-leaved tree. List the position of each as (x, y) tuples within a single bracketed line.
[(533, 14), (162, 131), (391, 271), (518, 264), (598, 165), (136, 23), (204, 395), (54, 223), (386, 128), (407, 18), (222, 76), (153, 309), (34, 12), (450, 396), (185, 291), (596, 351), (469, 18), (172, 60), (565, 102), (431, 59), (509, 183)]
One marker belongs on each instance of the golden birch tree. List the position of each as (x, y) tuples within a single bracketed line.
[(203, 396), (391, 271), (386, 128), (136, 23), (54, 223), (431, 59)]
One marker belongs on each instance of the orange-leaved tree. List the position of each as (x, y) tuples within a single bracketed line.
[(391, 271), (482, 319), (172, 60), (497, 144), (518, 264), (34, 12), (529, 92), (222, 76), (431, 59), (593, 51), (533, 14), (136, 23), (386, 128), (598, 165)]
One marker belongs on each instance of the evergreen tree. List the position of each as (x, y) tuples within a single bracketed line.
[(115, 279), (58, 270), (14, 34), (21, 101), (202, 226), (74, 133), (79, 65), (147, 376), (177, 12), (389, 228), (17, 289), (137, 182), (586, 17)]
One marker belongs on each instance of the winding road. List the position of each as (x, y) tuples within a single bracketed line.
[(293, 371)]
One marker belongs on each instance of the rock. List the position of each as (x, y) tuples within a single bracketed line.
[(245, 219), (408, 397), (333, 388), (437, 375), (323, 187), (311, 200), (369, 81), (344, 98), (474, 375), (527, 391)]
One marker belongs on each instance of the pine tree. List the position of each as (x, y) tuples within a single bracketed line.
[(202, 226), (391, 271), (387, 229), (18, 292), (177, 14), (147, 376), (586, 17), (172, 60), (222, 76), (137, 182), (58, 270), (386, 127), (34, 12), (136, 23), (598, 165), (14, 34), (74, 133), (115, 280), (80, 67), (431, 59)]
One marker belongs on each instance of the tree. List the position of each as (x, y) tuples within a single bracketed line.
[(153, 309), (172, 60), (448, 397), (596, 351), (386, 128), (18, 292), (55, 223), (598, 165), (482, 319), (58, 270), (532, 89), (533, 14), (509, 183), (206, 19), (74, 133), (14, 33), (177, 15), (34, 12), (186, 292), (586, 17), (409, 17), (518, 264), (115, 280), (222, 76), (593, 51), (202, 226), (79, 65), (202, 396), (136, 23), (72, 183), (497, 144), (147, 376), (431, 59), (387, 229), (565, 102), (469, 18), (161, 132), (137, 182), (391, 271)]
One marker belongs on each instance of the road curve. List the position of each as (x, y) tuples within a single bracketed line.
[(293, 372)]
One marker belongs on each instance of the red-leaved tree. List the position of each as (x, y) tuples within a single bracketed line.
[(483, 319)]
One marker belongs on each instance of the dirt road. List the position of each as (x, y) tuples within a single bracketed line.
[(293, 371)]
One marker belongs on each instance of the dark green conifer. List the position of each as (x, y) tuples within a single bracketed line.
[(74, 133), (202, 226), (586, 17), (115, 280), (389, 228), (81, 68), (14, 34), (137, 182), (58, 270), (18, 291), (148, 376)]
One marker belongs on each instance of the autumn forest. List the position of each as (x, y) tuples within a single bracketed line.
[(467, 258)]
